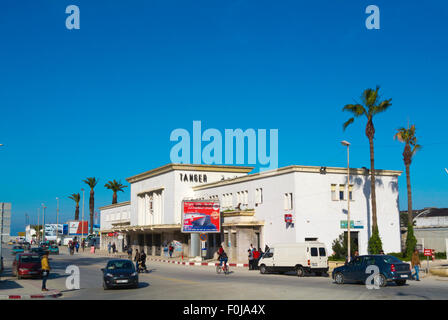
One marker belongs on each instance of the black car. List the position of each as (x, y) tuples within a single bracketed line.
[(390, 268), (120, 273)]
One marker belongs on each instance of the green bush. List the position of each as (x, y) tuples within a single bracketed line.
[(375, 244), (340, 247), (411, 242)]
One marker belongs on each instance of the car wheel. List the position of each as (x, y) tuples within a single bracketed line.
[(105, 286), (339, 278), (300, 272), (263, 269), (380, 280), (400, 282)]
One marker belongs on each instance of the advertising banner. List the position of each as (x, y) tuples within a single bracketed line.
[(75, 228), (201, 216)]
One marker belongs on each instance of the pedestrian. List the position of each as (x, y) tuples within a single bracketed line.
[(143, 261), (256, 255), (77, 246), (381, 252), (251, 259), (83, 244), (171, 249), (109, 246), (415, 262), (129, 252), (266, 248), (357, 254), (136, 258), (45, 266), (114, 248)]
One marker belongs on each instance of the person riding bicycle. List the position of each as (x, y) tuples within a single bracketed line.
[(222, 257)]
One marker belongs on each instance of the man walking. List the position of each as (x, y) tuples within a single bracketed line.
[(415, 262), (251, 259), (129, 252), (45, 266), (136, 258), (171, 249)]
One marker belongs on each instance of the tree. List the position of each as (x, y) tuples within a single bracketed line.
[(76, 197), (407, 136), (340, 248), (115, 186), (370, 106), (91, 182)]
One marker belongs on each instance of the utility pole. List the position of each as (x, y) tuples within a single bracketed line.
[(38, 226), (82, 219), (57, 220), (43, 222), (347, 144)]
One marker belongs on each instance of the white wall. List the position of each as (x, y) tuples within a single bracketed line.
[(114, 215)]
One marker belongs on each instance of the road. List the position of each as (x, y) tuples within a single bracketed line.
[(171, 281)]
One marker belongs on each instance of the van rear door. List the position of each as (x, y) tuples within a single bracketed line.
[(323, 259), (314, 257)]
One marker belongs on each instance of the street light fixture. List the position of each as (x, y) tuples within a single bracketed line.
[(82, 219), (347, 144)]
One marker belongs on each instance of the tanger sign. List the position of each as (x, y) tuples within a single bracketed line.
[(201, 216)]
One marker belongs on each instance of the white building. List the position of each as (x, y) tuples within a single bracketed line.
[(255, 207)]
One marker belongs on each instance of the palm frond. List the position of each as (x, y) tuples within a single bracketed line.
[(347, 123)]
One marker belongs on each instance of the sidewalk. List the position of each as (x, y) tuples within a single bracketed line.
[(175, 260), (11, 288)]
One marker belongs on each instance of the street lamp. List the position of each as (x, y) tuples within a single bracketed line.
[(43, 222), (347, 144), (82, 219), (57, 220), (37, 231)]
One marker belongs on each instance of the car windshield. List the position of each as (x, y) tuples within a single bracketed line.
[(115, 265), (390, 259), (28, 259)]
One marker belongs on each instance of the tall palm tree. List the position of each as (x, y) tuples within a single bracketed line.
[(370, 106), (91, 182), (76, 197), (115, 186), (407, 136)]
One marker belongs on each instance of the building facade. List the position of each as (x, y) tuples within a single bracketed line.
[(5, 221), (290, 204)]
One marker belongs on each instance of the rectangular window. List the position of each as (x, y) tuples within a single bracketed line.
[(322, 252), (234, 239), (258, 196), (314, 252), (341, 191), (246, 198), (333, 192), (350, 192), (288, 201)]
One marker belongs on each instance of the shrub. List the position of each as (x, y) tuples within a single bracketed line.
[(411, 242), (340, 247), (375, 244)]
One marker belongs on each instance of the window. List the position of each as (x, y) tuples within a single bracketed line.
[(288, 201), (333, 192), (258, 196), (322, 252), (350, 192), (246, 197), (234, 239), (314, 252), (341, 191)]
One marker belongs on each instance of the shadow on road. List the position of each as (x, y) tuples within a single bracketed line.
[(9, 284)]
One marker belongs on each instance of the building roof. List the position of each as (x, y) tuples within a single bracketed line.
[(188, 167), (433, 212), (116, 205), (297, 168)]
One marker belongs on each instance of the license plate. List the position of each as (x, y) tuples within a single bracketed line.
[(404, 276), (122, 281)]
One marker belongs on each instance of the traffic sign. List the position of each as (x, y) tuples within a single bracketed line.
[(203, 236), (427, 252)]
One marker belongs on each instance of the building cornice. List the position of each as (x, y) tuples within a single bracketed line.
[(188, 167), (116, 205), (295, 168)]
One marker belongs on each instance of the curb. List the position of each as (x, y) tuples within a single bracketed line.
[(210, 264), (30, 296)]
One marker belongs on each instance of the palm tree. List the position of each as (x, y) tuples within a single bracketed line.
[(115, 186), (407, 136), (370, 106), (91, 182), (76, 197)]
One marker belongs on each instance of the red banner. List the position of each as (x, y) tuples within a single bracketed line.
[(201, 216)]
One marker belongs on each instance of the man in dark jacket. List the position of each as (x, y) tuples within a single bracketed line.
[(136, 258)]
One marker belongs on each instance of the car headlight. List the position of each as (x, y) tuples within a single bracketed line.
[(134, 274), (109, 275)]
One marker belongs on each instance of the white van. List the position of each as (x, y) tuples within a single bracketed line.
[(302, 258)]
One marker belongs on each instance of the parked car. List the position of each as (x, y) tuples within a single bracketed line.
[(390, 269), (307, 257), (53, 249), (120, 273), (27, 265), (39, 250), (17, 249)]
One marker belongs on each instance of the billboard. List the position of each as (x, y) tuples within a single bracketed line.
[(200, 216), (76, 228), (50, 230)]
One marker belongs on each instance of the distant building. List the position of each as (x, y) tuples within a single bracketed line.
[(5, 221), (431, 228)]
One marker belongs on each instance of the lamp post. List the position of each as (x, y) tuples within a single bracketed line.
[(82, 219), (347, 144), (57, 220), (43, 222), (37, 231)]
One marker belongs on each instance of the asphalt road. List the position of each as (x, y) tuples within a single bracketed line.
[(172, 281)]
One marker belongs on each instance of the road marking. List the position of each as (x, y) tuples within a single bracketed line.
[(175, 280)]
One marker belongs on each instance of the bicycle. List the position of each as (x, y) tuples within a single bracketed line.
[(224, 268)]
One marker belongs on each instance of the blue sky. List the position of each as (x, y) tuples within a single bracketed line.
[(102, 101)]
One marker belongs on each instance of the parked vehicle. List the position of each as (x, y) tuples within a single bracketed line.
[(39, 250), (27, 265), (17, 249), (53, 249), (390, 269), (301, 258), (11, 242), (120, 273)]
